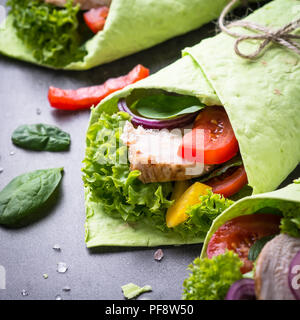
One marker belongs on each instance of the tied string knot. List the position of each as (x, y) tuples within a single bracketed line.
[(265, 35)]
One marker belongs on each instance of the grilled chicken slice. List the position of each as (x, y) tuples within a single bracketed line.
[(154, 154), (271, 275), (84, 4)]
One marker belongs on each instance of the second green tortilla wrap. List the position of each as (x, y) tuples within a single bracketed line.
[(262, 99), (132, 25), (285, 200)]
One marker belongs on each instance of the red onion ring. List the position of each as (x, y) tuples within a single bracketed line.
[(178, 122), (243, 289)]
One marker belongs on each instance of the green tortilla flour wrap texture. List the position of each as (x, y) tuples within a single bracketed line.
[(132, 25), (286, 200), (262, 99)]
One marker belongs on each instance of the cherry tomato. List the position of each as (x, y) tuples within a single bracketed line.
[(215, 143), (230, 182), (240, 233), (95, 18)]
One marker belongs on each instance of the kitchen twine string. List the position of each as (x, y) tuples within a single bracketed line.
[(264, 34)]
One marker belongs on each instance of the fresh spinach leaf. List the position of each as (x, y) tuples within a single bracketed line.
[(162, 106), (234, 162), (258, 246), (41, 137), (25, 194)]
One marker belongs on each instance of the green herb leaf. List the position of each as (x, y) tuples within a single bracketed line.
[(257, 246), (41, 137), (51, 33), (25, 194), (234, 162), (210, 279), (131, 290), (290, 223), (165, 106)]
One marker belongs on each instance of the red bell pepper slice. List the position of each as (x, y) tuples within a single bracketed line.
[(84, 98), (95, 18)]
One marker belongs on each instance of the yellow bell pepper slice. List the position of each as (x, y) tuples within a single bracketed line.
[(176, 214)]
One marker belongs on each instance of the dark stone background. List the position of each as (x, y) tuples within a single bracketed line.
[(27, 253)]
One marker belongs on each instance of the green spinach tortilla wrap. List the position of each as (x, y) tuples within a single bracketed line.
[(125, 207), (284, 202), (251, 251), (40, 33)]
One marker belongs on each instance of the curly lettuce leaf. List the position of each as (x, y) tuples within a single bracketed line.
[(290, 223), (51, 33), (202, 214), (107, 175), (210, 279)]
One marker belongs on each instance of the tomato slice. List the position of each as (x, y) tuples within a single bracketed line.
[(219, 143), (240, 233), (95, 18), (230, 182)]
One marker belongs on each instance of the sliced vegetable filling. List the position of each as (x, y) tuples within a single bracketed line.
[(121, 187), (157, 143), (204, 140), (239, 234), (154, 133), (230, 182), (95, 18)]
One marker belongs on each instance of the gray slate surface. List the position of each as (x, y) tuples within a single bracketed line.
[(27, 253)]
